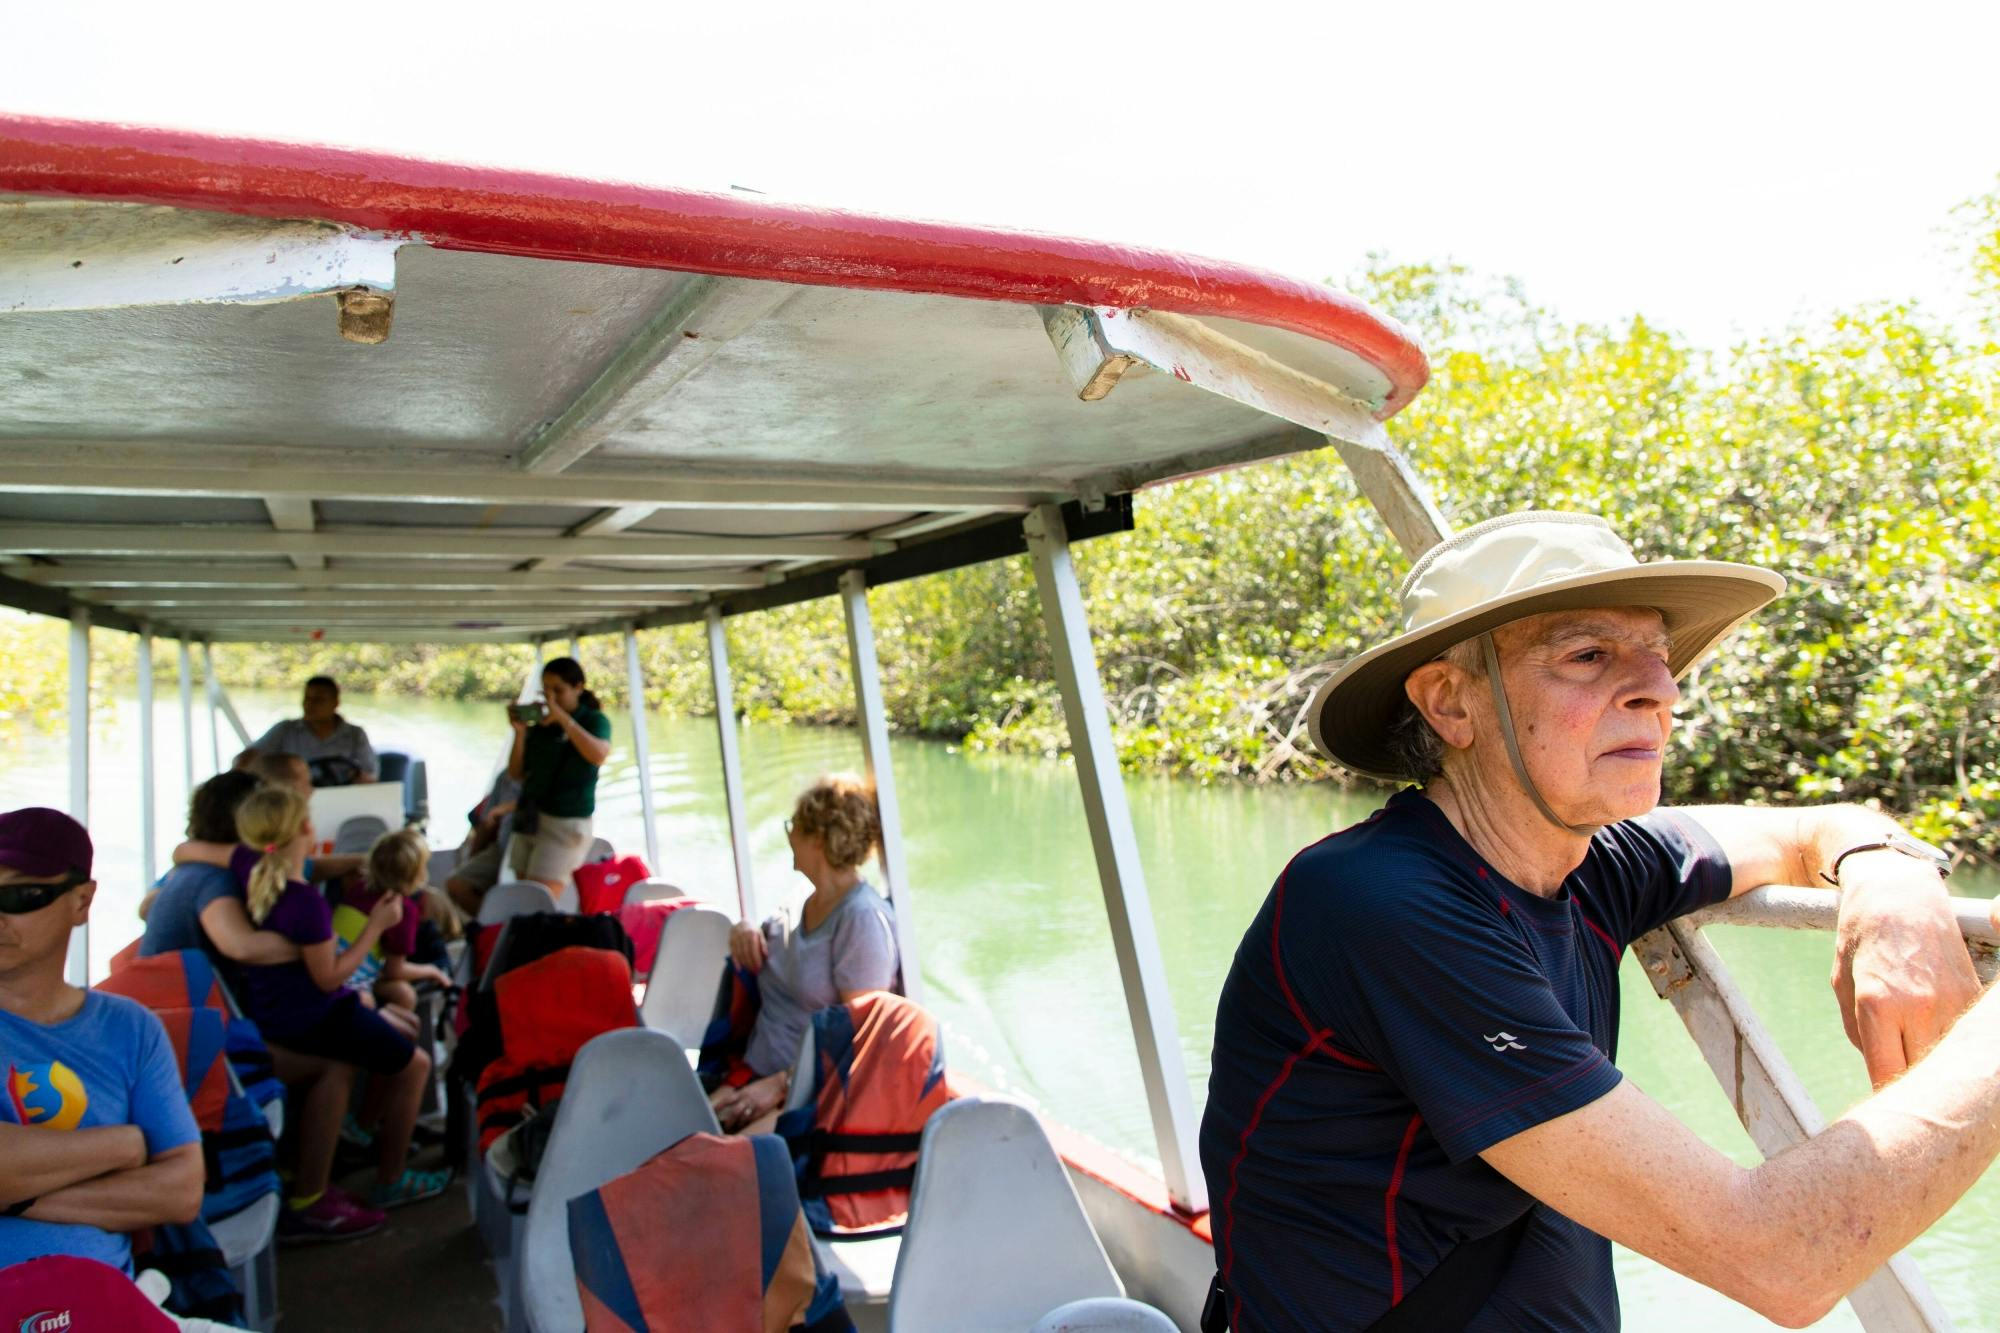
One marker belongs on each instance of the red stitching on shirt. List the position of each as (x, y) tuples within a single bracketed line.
[(1389, 1211), (1242, 1151), (1617, 954)]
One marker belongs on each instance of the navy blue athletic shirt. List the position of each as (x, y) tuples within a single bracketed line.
[(1396, 1008)]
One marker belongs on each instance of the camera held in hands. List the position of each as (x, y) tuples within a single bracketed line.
[(529, 713)]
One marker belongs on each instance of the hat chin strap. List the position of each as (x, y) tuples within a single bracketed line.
[(1514, 748)]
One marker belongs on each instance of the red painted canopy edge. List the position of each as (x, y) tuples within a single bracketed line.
[(553, 217)]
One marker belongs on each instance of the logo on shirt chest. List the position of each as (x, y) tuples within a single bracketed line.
[(49, 1095), (46, 1321), (1503, 1041)]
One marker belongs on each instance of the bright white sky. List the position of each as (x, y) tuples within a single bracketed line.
[(1723, 168)]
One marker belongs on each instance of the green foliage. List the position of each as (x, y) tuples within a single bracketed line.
[(1858, 457)]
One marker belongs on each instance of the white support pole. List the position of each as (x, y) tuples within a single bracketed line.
[(732, 763), (187, 717), (875, 745), (78, 968), (1119, 872), (642, 747), (148, 818), (576, 648), (214, 708)]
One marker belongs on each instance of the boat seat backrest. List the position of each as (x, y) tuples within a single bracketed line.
[(997, 1237), (631, 1095), (680, 992), (357, 834), (514, 898), (652, 890)]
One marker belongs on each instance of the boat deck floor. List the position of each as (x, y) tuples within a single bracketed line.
[(425, 1270)]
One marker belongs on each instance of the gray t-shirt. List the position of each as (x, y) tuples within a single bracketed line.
[(853, 949), (336, 760)]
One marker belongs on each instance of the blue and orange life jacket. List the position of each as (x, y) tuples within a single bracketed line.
[(182, 991), (706, 1234), (546, 1011), (878, 1075)]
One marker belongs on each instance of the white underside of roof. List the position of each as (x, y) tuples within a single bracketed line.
[(542, 444)]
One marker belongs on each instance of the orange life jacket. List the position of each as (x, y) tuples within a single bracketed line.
[(548, 1009), (879, 1074)]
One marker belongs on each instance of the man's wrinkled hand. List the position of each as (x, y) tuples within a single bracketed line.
[(1900, 968)]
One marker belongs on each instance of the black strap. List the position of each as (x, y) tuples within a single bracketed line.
[(1444, 1302), (867, 1182), (1459, 1287), (821, 1141)]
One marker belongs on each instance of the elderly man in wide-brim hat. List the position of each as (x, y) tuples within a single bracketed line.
[(1414, 1121)]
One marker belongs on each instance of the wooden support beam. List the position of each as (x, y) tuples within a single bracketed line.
[(1098, 346), (65, 468), (419, 543), (179, 574), (703, 314), (600, 524), (194, 601), (291, 513)]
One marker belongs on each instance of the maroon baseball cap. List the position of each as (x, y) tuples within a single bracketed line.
[(43, 843)]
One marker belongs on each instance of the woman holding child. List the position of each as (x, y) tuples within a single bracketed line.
[(839, 944), (307, 1004)]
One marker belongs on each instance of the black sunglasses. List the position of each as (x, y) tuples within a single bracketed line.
[(19, 899)]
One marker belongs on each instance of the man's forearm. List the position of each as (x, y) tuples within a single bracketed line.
[(1861, 1190), (36, 1162), (167, 1189)]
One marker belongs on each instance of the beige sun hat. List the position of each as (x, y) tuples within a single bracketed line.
[(1508, 568)]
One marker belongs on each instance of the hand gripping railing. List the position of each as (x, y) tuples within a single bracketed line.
[(1769, 1099)]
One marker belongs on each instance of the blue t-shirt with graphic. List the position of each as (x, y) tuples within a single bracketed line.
[(1397, 1008), (111, 1064)]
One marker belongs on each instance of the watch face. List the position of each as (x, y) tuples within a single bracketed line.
[(1922, 850)]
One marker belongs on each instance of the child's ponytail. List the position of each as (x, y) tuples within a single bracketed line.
[(270, 818)]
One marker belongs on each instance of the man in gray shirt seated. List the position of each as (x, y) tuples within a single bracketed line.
[(337, 751)]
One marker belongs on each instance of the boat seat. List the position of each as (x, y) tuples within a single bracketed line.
[(631, 1096), (680, 993), (515, 898), (357, 834), (248, 1240), (865, 1266), (1101, 1314), (997, 1238), (653, 890)]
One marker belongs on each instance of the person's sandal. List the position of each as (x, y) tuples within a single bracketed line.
[(412, 1186)]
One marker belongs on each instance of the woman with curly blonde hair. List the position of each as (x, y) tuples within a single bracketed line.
[(839, 944)]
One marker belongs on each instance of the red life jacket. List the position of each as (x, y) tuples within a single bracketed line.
[(601, 885), (879, 1075), (548, 1009), (644, 922)]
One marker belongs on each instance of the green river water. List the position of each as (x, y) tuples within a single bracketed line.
[(1010, 927)]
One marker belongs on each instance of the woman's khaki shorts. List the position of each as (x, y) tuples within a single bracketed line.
[(552, 852)]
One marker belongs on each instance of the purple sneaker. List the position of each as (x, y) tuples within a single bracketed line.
[(334, 1216)]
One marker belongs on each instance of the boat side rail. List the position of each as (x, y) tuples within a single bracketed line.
[(1788, 907)]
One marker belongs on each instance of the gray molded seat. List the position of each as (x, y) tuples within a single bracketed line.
[(997, 1237), (680, 993), (630, 1097), (514, 898), (1102, 1314), (653, 890), (357, 834)]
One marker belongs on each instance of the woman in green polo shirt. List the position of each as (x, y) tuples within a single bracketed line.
[(556, 763)]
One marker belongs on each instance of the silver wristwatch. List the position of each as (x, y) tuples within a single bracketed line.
[(1898, 841)]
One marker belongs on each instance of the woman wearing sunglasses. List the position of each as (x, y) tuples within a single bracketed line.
[(838, 944), (96, 1138)]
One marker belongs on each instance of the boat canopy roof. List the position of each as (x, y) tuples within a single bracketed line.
[(265, 392)]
